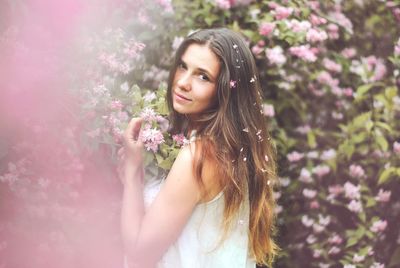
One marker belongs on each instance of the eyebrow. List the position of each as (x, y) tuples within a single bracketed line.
[(201, 70)]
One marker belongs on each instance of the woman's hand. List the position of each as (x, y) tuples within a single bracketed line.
[(130, 164)]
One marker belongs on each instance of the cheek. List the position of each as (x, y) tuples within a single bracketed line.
[(210, 95)]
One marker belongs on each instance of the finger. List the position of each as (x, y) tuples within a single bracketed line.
[(121, 151), (132, 131)]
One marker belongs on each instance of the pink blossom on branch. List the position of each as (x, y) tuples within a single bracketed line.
[(268, 110), (349, 53), (281, 13), (356, 171), (316, 20), (295, 156), (332, 66), (275, 55), (298, 26), (266, 28), (396, 147), (355, 206), (316, 35), (397, 48), (352, 191), (383, 196), (151, 138), (303, 52), (321, 170), (378, 226)]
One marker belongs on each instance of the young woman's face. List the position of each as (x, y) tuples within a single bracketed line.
[(194, 86)]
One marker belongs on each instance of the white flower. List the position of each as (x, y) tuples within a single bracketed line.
[(307, 221)]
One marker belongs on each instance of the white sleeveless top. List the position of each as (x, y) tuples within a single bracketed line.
[(198, 246)]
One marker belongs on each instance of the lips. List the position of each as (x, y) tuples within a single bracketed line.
[(182, 97)]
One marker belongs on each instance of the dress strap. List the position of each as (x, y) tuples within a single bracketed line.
[(192, 137)]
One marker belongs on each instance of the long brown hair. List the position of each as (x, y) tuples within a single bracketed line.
[(234, 134)]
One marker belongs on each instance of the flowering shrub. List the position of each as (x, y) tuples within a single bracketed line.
[(330, 76)]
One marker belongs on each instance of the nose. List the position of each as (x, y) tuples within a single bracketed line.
[(184, 81)]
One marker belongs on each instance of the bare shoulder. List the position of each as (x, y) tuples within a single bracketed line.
[(210, 172)]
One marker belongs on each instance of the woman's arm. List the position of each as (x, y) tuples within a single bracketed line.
[(147, 235)]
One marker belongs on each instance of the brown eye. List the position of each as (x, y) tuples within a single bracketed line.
[(204, 77)]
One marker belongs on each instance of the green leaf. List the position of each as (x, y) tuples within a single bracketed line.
[(358, 138), (368, 125), (311, 139), (352, 241), (390, 92), (166, 164), (385, 175), (382, 142), (370, 202), (385, 126), (361, 90), (360, 120)]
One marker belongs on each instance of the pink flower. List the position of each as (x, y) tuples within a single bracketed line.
[(180, 139), (358, 258), (378, 226), (303, 129), (316, 20), (317, 253), (328, 154), (377, 265), (223, 4), (232, 84), (383, 196), (333, 250), (306, 221), (352, 191), (303, 52), (298, 26), (348, 91), (295, 156), (311, 239), (305, 176), (275, 55), (281, 13), (317, 228), (268, 110), (167, 5), (321, 170), (380, 71), (272, 5), (256, 50), (335, 239), (117, 105), (333, 31), (332, 66), (315, 35), (314, 5), (355, 206), (325, 78), (148, 114), (397, 48), (308, 193), (396, 147), (349, 53), (356, 171), (335, 189), (266, 28), (314, 204), (151, 138)]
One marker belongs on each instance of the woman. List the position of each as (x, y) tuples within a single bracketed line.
[(215, 208)]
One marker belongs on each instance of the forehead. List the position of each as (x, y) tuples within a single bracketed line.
[(201, 57)]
